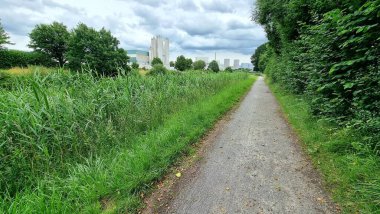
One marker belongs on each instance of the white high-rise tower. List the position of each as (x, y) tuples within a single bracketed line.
[(159, 47)]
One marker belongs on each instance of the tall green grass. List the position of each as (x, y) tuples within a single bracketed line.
[(75, 143), (350, 169)]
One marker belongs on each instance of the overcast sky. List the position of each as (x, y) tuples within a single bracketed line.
[(194, 27)]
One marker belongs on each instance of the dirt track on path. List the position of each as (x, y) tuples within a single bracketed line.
[(253, 165)]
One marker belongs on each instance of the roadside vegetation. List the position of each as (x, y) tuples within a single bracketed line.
[(322, 62), (77, 142), (82, 131)]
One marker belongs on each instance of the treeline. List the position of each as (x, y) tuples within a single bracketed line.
[(81, 47), (329, 52)]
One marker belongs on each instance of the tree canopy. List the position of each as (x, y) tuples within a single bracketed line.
[(51, 39), (213, 66), (199, 65), (96, 50), (183, 63), (329, 51), (4, 37), (156, 61), (255, 58)]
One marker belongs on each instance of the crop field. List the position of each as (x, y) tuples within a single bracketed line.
[(72, 142)]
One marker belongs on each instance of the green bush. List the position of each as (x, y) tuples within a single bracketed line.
[(329, 53), (15, 58), (228, 69), (135, 65), (156, 61), (158, 69), (199, 65)]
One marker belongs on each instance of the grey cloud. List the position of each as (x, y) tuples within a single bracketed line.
[(14, 25), (201, 25), (218, 6), (188, 5), (191, 25)]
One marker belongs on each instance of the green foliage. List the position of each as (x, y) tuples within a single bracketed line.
[(70, 140), (4, 37), (135, 65), (348, 165), (327, 51), (334, 62), (183, 63), (199, 65), (158, 69), (97, 51), (228, 69), (14, 58), (171, 64), (50, 39), (213, 66), (259, 58), (156, 61)]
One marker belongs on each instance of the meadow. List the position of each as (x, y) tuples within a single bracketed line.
[(74, 142)]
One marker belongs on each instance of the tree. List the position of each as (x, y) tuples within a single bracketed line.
[(97, 50), (255, 58), (156, 61), (51, 39), (213, 66), (182, 63), (199, 65), (4, 37), (189, 63), (171, 64), (135, 65)]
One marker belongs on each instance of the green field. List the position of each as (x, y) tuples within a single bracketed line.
[(76, 143), (351, 171)]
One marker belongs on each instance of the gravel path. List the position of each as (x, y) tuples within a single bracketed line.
[(255, 165)]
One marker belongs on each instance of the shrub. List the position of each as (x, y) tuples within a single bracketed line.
[(15, 58), (158, 69), (228, 69), (199, 65), (135, 65), (156, 61), (331, 57)]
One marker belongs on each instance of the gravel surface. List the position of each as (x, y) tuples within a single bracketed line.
[(255, 165)]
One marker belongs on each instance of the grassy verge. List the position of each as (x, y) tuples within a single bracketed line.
[(351, 171), (94, 145)]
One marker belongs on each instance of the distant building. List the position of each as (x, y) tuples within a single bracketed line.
[(226, 63), (246, 65), (159, 47), (140, 57), (236, 64)]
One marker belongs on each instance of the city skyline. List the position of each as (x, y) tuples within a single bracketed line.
[(226, 27)]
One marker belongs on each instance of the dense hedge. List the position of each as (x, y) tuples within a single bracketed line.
[(328, 52), (15, 58)]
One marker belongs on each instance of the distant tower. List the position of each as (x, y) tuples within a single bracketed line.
[(236, 64), (159, 47)]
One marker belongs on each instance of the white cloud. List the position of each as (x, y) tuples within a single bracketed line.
[(194, 27)]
